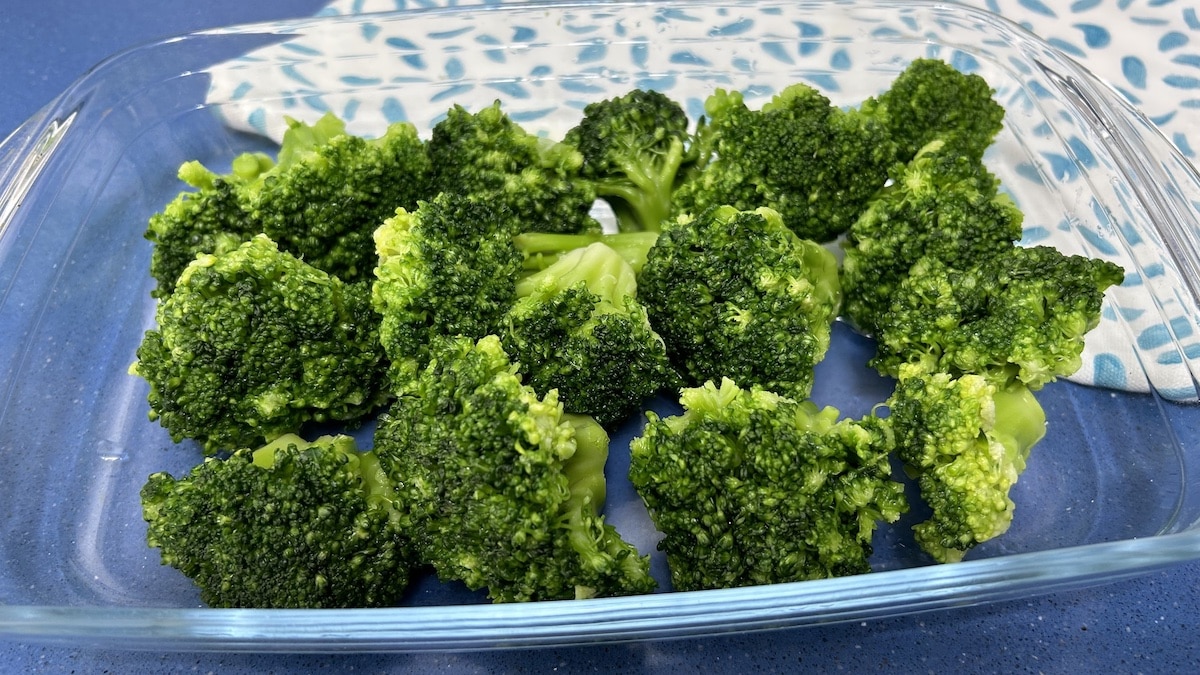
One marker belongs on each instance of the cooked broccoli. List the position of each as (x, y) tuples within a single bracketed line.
[(500, 489), (749, 487), (966, 442), (447, 268), (489, 156), (253, 343), (291, 525), (579, 328), (633, 147), (942, 205), (215, 218), (330, 190), (1020, 313), (542, 249), (932, 100), (737, 294), (814, 163)]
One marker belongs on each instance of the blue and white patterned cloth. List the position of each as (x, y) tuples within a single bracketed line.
[(1149, 51)]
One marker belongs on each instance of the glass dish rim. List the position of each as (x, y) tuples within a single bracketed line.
[(660, 615)]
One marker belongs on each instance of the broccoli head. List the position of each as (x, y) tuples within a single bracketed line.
[(253, 343), (1022, 313), (814, 163), (500, 489), (579, 328), (489, 156), (943, 205), (932, 100), (737, 294), (633, 147), (966, 442), (330, 190), (449, 267), (749, 487), (291, 525), (214, 217)]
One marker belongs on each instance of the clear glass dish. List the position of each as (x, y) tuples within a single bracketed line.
[(1112, 492)]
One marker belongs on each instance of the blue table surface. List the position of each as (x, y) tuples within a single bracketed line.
[(1147, 624)]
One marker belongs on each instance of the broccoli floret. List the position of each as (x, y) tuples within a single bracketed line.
[(1022, 313), (942, 205), (214, 217), (502, 491), (737, 294), (542, 249), (447, 268), (291, 525), (966, 442), (579, 328), (253, 343), (330, 190), (749, 487), (932, 100), (489, 156), (814, 163), (633, 147)]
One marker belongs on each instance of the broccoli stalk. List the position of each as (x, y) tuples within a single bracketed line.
[(966, 441), (292, 524), (542, 249), (578, 328), (491, 486), (633, 148), (749, 487)]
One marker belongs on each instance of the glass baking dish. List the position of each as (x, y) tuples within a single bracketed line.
[(1113, 491)]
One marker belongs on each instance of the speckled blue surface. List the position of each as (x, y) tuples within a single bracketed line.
[(1148, 624)]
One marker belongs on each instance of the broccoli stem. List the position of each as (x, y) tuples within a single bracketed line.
[(599, 267), (543, 249), (1020, 422), (646, 195)]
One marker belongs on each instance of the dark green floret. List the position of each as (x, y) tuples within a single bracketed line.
[(633, 148), (579, 328), (213, 217), (1019, 314), (447, 268), (749, 487), (932, 100), (502, 490), (489, 156), (254, 343), (814, 163), (966, 442), (942, 205), (331, 189), (737, 294), (291, 525)]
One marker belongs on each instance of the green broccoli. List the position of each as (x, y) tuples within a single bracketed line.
[(215, 217), (291, 525), (943, 205), (737, 294), (932, 100), (966, 442), (749, 487), (800, 155), (330, 190), (633, 148), (254, 343), (447, 268), (320, 200), (578, 328), (490, 157), (543, 249), (500, 489), (1020, 313)]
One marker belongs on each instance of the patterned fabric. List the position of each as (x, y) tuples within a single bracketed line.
[(1149, 51)]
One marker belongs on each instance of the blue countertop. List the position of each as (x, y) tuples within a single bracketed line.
[(1147, 624)]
